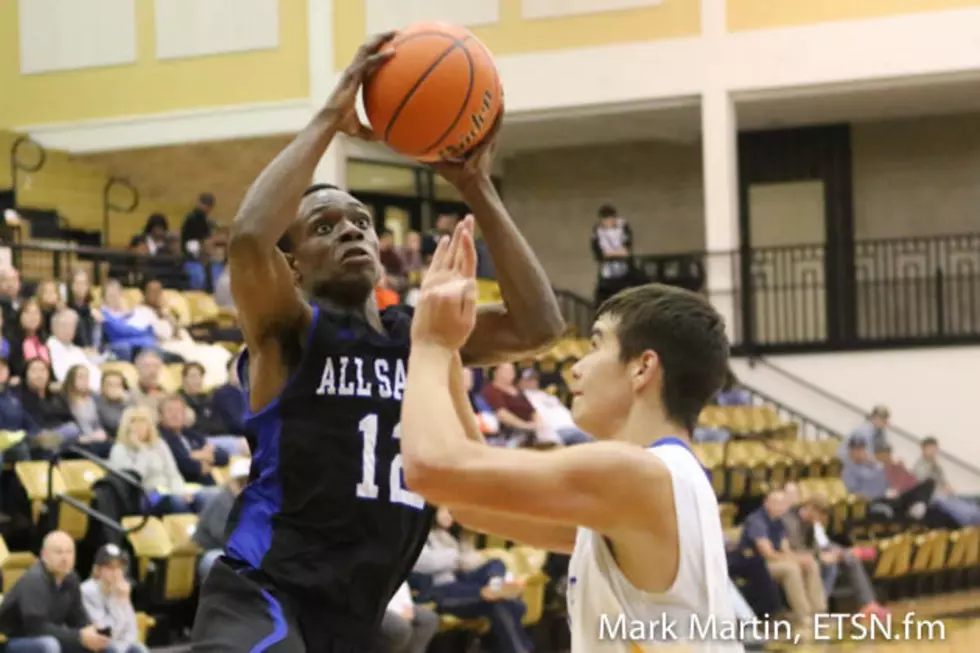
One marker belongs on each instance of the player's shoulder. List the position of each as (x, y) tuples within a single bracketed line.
[(682, 463)]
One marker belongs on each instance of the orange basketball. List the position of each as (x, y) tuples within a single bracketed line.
[(438, 96)]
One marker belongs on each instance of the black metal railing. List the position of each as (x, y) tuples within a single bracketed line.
[(809, 428), (873, 294), (577, 312), (111, 202), (85, 508)]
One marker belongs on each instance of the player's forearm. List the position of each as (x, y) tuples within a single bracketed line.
[(559, 538), (271, 203), (524, 285), (433, 438)]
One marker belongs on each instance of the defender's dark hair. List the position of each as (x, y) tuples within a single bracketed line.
[(688, 336), (285, 244), (929, 441)]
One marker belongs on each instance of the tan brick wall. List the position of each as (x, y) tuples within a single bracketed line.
[(917, 177), (554, 195)]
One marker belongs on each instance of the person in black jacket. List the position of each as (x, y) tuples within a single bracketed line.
[(195, 456), (44, 613)]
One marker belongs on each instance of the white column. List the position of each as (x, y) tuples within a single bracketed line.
[(320, 28), (719, 138)]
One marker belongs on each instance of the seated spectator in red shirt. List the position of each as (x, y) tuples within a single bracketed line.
[(517, 416)]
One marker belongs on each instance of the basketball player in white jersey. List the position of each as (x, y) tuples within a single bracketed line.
[(636, 509)]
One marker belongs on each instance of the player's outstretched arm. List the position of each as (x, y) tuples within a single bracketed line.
[(552, 537), (529, 320), (261, 279), (611, 487)]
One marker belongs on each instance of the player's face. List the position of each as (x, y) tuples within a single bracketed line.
[(335, 247), (602, 391)]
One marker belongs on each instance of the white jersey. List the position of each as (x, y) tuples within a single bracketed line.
[(608, 615)]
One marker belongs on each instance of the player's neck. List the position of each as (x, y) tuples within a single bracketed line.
[(367, 310), (647, 424)]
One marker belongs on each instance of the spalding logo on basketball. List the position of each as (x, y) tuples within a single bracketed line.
[(438, 96)]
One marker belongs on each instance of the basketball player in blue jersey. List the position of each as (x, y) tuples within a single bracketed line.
[(326, 530), (635, 509)]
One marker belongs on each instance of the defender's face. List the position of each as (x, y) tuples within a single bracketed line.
[(602, 391), (335, 247)]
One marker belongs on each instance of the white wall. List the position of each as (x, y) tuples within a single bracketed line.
[(930, 392)]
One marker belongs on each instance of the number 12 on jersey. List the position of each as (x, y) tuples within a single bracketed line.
[(368, 487)]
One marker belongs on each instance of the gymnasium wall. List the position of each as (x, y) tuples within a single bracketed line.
[(63, 62), (554, 195), (917, 177), (930, 392)]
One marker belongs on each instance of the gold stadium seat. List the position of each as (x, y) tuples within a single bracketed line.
[(203, 308), (182, 564), (525, 562), (79, 477), (133, 296), (171, 377), (127, 369), (963, 563), (178, 305), (929, 560), (727, 512), (33, 476), (13, 565), (159, 566), (892, 564)]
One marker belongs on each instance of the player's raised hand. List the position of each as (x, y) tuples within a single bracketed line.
[(342, 104), (446, 310), (476, 165)]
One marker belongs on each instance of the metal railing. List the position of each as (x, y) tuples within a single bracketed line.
[(109, 205), (872, 294), (88, 510)]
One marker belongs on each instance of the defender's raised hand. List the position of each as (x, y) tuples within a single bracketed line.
[(446, 311)]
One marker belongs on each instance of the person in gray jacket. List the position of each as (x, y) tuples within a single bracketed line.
[(106, 599)]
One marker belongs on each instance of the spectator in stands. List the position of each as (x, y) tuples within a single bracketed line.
[(461, 583), (864, 476), (48, 300), (411, 254), (176, 344), (4, 341), (10, 299), (874, 431), (384, 294), (764, 533), (197, 225), (106, 596), (139, 448), (195, 456), (612, 248), (555, 419), (407, 627), (29, 337), (127, 331), (148, 391), (732, 393), (204, 420), (222, 290), (805, 532), (154, 236), (46, 407), (486, 417), (391, 260), (65, 354), (928, 468), (44, 612), (88, 334), (210, 531), (78, 395), (202, 273), (756, 584), (16, 429), (168, 267), (517, 416), (230, 404), (112, 401)]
